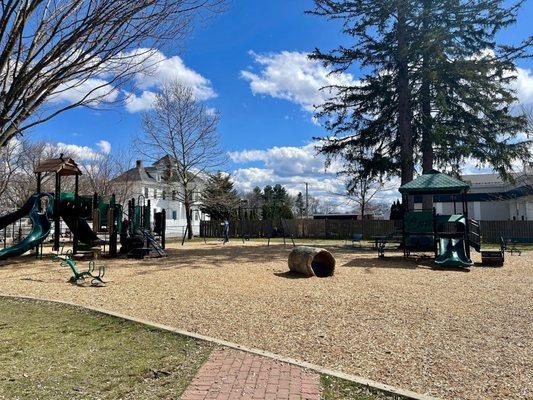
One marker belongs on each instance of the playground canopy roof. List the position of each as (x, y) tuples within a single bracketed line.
[(435, 182), (61, 166)]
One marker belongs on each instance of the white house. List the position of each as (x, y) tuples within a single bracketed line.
[(149, 183), (492, 199)]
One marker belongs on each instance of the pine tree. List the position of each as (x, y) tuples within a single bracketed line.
[(219, 199), (276, 203), (465, 99), (371, 120), (436, 84)]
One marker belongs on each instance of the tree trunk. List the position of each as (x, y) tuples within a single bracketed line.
[(188, 215), (425, 99), (405, 130), (363, 206)]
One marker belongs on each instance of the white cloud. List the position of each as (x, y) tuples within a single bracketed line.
[(81, 153), (157, 69), (173, 68), (291, 167), (154, 68), (286, 161), (293, 76), (524, 85), (104, 146), (143, 102), (96, 90)]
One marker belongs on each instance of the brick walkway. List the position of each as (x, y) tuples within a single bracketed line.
[(231, 374)]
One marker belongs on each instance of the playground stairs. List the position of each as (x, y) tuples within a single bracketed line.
[(153, 245), (474, 235)]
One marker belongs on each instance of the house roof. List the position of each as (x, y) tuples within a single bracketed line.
[(135, 174), (63, 166), (140, 173), (483, 179), (435, 182)]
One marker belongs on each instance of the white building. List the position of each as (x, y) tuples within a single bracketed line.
[(492, 199), (149, 183)]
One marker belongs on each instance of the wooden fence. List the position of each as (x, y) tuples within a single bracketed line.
[(299, 228), (491, 231)]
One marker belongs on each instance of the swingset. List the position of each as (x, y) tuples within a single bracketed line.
[(46, 210), (450, 237)]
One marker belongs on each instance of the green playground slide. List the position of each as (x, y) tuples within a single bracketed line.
[(452, 253), (40, 226)]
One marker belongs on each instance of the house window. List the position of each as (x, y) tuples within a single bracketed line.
[(174, 215), (146, 192), (164, 195), (173, 195), (196, 216), (155, 193)]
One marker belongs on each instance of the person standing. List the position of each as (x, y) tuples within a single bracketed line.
[(225, 231)]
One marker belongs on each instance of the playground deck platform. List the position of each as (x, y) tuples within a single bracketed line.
[(449, 333)]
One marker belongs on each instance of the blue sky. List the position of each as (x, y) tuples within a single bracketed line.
[(260, 110)]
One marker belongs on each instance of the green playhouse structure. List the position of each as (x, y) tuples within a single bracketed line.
[(75, 211), (449, 237), (46, 210)]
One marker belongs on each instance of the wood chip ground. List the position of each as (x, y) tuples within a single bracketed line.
[(446, 333)]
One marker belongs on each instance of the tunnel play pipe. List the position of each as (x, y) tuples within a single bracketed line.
[(311, 261)]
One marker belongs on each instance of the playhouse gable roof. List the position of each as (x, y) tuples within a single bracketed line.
[(62, 166), (435, 183)]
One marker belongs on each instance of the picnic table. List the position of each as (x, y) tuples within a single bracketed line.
[(381, 241)]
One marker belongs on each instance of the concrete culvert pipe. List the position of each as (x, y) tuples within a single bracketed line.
[(311, 261)]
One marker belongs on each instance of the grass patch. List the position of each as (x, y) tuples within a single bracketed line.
[(340, 389), (53, 351)]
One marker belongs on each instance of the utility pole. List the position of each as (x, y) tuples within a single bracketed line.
[(307, 199)]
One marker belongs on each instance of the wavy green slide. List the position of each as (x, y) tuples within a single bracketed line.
[(41, 225), (452, 253)]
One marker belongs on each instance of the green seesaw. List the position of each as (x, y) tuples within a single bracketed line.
[(79, 277)]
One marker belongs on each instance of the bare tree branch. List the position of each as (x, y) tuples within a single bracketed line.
[(93, 46), (185, 132)]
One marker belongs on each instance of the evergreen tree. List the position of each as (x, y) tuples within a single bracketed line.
[(435, 83), (464, 105), (276, 203), (219, 199), (268, 203), (371, 120)]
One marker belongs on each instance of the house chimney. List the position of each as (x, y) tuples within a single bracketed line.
[(139, 164)]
